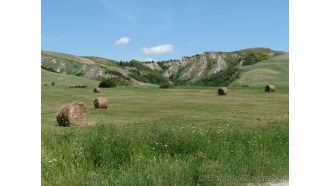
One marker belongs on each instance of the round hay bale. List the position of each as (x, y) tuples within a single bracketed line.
[(223, 91), (97, 90), (72, 114), (270, 88), (101, 103)]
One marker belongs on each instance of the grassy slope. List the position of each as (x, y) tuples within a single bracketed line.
[(109, 64), (64, 80), (274, 70), (69, 57), (152, 136)]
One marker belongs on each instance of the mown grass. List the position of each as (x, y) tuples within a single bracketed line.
[(153, 136)]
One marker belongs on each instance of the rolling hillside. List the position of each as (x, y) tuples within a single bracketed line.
[(274, 70), (64, 79), (253, 67)]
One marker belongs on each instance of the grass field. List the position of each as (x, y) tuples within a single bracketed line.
[(274, 70), (152, 136)]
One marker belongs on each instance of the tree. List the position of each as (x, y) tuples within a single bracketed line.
[(107, 83)]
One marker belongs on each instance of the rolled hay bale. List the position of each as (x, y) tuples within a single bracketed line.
[(223, 91), (78, 86), (97, 90), (72, 114), (270, 88), (101, 103)]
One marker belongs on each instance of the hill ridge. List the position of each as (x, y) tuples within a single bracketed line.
[(209, 68)]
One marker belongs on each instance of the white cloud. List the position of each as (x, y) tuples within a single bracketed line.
[(149, 59), (123, 41), (160, 49)]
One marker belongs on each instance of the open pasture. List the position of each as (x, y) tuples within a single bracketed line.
[(153, 136)]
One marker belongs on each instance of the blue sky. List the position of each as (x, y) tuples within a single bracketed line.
[(163, 29)]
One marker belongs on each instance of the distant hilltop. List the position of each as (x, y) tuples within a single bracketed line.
[(206, 69)]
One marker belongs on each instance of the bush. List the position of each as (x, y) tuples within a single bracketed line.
[(166, 85), (108, 83), (221, 78), (49, 69)]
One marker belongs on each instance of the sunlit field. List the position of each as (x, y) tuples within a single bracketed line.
[(153, 136)]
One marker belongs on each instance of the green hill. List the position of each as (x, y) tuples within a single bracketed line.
[(64, 79), (274, 70), (97, 68), (254, 67)]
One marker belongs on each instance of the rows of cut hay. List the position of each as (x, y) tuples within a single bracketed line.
[(97, 90), (223, 91), (78, 86), (274, 70), (101, 103), (72, 114)]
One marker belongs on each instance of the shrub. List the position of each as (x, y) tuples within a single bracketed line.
[(107, 83), (221, 78), (49, 69), (166, 85), (80, 73)]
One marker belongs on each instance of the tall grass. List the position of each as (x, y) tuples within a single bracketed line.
[(159, 154), (152, 136)]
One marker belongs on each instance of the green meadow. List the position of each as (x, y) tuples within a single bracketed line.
[(153, 136), (274, 70)]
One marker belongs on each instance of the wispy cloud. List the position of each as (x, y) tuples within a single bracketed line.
[(166, 24), (129, 17), (123, 41), (118, 11), (194, 42), (160, 49)]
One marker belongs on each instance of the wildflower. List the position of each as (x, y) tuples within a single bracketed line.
[(51, 161)]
